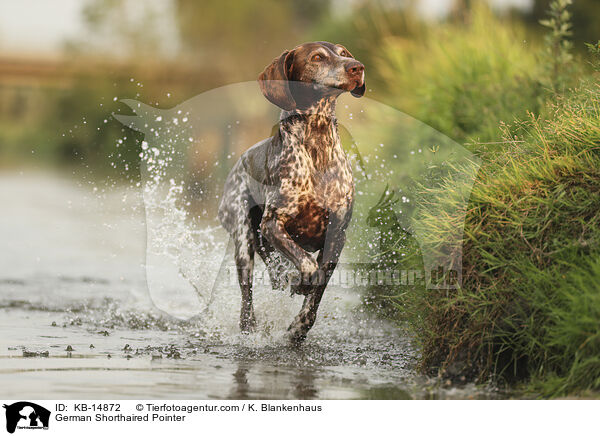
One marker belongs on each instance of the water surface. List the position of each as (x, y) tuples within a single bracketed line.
[(78, 320)]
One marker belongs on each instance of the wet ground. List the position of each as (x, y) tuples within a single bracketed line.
[(78, 320)]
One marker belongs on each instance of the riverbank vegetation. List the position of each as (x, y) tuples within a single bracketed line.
[(527, 312)]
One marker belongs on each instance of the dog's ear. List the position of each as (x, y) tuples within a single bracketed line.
[(359, 91), (273, 81)]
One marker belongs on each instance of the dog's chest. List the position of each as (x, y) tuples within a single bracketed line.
[(320, 175), (316, 187)]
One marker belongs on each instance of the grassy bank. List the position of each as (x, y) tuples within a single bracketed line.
[(528, 309), (529, 305)]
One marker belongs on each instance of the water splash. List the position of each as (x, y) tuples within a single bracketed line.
[(185, 157)]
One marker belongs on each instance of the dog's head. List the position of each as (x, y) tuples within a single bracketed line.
[(309, 72)]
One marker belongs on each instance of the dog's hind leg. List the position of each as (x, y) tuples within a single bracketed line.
[(234, 214), (244, 260)]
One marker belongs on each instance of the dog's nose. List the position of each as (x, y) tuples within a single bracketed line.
[(355, 68)]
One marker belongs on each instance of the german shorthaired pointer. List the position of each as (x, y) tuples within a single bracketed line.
[(293, 193)]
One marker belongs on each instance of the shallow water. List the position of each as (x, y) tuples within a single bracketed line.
[(79, 320)]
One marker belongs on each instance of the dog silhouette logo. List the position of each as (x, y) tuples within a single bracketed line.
[(26, 415)]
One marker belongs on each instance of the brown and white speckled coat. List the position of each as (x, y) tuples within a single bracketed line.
[(293, 192)]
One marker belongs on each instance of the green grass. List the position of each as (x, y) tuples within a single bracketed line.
[(527, 312), (529, 307), (464, 78)]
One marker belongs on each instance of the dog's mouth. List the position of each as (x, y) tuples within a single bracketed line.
[(351, 84), (359, 89), (356, 86)]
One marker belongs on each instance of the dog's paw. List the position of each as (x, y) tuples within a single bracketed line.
[(309, 266), (305, 284), (248, 329), (301, 289), (248, 325), (296, 337)]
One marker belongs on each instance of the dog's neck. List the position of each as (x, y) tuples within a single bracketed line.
[(325, 107), (315, 119), (315, 128)]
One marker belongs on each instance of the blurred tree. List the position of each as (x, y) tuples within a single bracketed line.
[(461, 10), (558, 57), (585, 17), (126, 29), (240, 38)]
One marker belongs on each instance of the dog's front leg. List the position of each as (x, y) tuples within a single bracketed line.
[(328, 260), (273, 229)]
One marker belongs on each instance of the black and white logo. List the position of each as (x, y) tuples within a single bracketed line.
[(26, 415)]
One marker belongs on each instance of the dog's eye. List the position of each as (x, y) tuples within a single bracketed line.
[(345, 53), (317, 58)]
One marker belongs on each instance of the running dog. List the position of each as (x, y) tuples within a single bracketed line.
[(293, 192)]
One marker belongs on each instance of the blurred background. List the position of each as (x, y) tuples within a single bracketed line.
[(510, 81), (460, 66)]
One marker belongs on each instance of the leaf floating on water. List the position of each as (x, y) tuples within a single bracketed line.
[(35, 353)]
